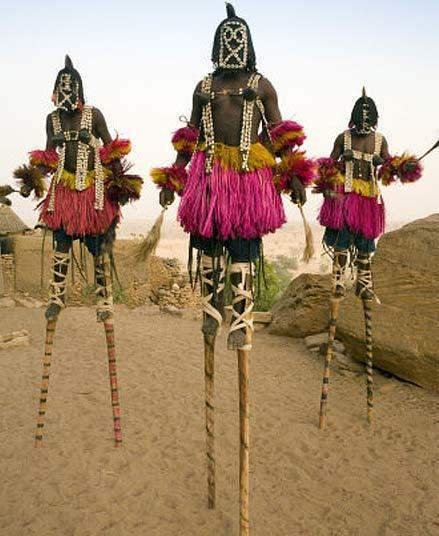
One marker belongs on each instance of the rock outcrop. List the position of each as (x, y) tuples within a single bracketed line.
[(303, 308), (406, 324)]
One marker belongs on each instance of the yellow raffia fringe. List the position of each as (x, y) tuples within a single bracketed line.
[(359, 186), (68, 179), (365, 188), (230, 157)]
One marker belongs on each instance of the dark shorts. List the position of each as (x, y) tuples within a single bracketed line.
[(345, 239), (94, 243), (239, 249)]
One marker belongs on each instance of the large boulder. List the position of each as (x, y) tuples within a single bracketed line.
[(303, 308), (406, 324)]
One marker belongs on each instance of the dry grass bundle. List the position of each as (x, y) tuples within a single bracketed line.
[(309, 251), (149, 245)]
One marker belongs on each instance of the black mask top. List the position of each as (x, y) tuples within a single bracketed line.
[(364, 117), (68, 91), (233, 45)]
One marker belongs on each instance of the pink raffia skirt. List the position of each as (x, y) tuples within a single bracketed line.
[(75, 212), (363, 215), (228, 203)]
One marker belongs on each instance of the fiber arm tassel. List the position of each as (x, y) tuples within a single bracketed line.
[(328, 176), (406, 168), (121, 185), (173, 178), (115, 150), (295, 164), (286, 135), (31, 178), (185, 140), (46, 159)]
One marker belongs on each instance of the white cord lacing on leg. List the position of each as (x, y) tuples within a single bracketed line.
[(244, 320), (365, 279), (104, 291), (339, 271), (207, 269), (57, 289)]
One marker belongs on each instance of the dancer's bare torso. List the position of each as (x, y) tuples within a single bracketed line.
[(227, 109), (72, 121), (227, 118)]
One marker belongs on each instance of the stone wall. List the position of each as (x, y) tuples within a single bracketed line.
[(7, 274)]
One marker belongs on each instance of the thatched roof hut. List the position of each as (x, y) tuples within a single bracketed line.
[(10, 223)]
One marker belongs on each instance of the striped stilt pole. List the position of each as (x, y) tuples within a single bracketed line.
[(244, 452), (367, 307), (209, 372), (47, 361), (109, 334), (335, 306)]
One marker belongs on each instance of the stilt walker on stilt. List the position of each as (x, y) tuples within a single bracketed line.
[(354, 216), (242, 157), (89, 182)]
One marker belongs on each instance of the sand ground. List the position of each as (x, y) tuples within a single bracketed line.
[(348, 480)]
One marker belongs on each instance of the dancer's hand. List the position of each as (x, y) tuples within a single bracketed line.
[(166, 197), (410, 166), (330, 194), (298, 194), (25, 191)]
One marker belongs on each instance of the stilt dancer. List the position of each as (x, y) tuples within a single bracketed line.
[(354, 216), (88, 184), (231, 198)]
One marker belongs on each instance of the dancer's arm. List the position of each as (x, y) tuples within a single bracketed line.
[(338, 149), (274, 117), (101, 127)]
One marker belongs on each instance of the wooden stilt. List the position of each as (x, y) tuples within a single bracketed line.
[(244, 449), (109, 333), (47, 361), (209, 375), (367, 307), (244, 415), (335, 306)]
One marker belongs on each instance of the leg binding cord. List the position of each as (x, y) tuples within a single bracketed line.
[(364, 288), (339, 265), (243, 303), (57, 288), (212, 281), (104, 289)]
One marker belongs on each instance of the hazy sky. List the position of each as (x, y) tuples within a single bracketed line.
[(140, 62)]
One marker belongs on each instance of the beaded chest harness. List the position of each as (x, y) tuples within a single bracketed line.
[(247, 118), (361, 157), (86, 141)]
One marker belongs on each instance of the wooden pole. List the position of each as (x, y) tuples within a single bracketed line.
[(244, 449), (369, 358), (209, 375), (244, 422), (335, 306), (109, 334), (47, 361)]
